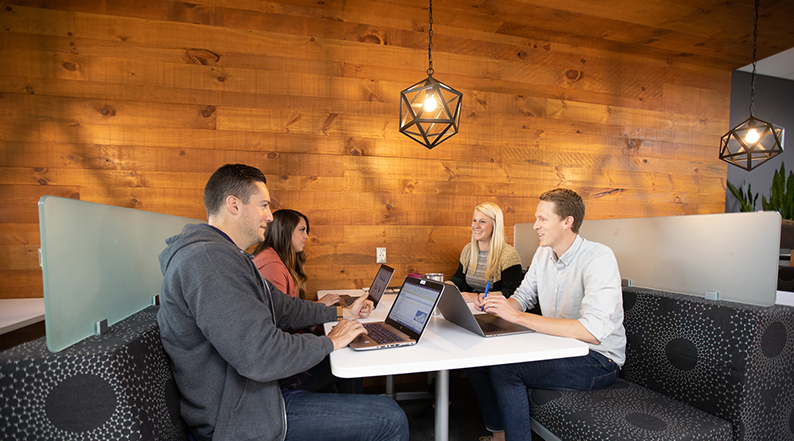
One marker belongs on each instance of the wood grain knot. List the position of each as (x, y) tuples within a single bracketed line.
[(207, 111), (71, 67), (202, 57), (106, 111), (573, 75), (372, 39)]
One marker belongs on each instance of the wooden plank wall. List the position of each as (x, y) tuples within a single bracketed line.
[(136, 103)]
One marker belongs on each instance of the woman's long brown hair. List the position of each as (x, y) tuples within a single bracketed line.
[(278, 236)]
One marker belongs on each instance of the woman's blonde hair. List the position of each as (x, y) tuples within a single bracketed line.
[(278, 236), (498, 239)]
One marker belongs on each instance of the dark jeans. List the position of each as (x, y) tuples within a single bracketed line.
[(502, 390), (343, 417)]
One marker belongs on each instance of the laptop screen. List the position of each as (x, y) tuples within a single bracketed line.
[(415, 303), (380, 283)]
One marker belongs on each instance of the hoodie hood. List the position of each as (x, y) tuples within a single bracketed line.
[(191, 234)]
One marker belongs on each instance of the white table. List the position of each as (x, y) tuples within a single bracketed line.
[(18, 313), (446, 346)]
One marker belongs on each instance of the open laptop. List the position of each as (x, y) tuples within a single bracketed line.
[(407, 318), (455, 309), (379, 285)]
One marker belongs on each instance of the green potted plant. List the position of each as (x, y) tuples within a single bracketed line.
[(781, 199), (747, 200), (781, 196)]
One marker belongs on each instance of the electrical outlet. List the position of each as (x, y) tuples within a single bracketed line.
[(380, 255)]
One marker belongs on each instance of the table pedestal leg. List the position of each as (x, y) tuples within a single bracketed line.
[(390, 387), (442, 405)]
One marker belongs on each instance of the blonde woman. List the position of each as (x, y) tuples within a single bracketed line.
[(488, 260)]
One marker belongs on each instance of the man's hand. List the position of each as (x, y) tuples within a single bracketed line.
[(361, 308), (510, 310), (329, 300), (499, 306), (345, 332)]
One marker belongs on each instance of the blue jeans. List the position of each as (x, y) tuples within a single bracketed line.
[(502, 390), (344, 417)]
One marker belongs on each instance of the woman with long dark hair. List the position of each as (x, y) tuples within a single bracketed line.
[(280, 257)]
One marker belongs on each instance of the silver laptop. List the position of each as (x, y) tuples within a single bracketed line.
[(454, 309), (376, 290), (407, 318)]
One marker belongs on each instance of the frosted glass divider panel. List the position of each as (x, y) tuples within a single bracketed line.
[(735, 254), (99, 262)]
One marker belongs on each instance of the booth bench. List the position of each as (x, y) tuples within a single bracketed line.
[(113, 386), (695, 369)]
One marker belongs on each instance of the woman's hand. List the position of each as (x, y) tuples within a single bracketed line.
[(361, 308), (469, 297), (329, 300)]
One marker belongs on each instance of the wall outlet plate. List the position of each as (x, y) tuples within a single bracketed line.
[(380, 255)]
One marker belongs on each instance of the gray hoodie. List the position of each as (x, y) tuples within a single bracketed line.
[(223, 327)]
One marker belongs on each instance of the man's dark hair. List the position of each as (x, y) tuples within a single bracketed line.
[(566, 203), (231, 180)]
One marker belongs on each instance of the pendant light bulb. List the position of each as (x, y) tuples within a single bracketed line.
[(430, 103), (752, 136)]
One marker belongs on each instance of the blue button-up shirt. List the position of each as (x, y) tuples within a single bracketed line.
[(583, 284)]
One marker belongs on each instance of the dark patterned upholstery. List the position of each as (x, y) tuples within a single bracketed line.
[(785, 278), (695, 369), (115, 386)]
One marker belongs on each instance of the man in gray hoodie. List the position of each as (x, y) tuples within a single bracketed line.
[(224, 328)]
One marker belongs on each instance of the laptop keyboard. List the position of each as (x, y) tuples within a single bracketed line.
[(346, 302), (380, 334), (489, 327)]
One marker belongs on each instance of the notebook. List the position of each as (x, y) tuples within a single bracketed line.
[(407, 318), (455, 309), (379, 285)]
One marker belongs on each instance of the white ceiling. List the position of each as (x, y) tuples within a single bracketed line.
[(779, 65)]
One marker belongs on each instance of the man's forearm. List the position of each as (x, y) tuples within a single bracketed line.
[(558, 326), (554, 326)]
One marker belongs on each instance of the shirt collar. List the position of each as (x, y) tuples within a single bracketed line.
[(571, 252)]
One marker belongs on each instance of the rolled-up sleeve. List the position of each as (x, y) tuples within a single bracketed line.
[(602, 294)]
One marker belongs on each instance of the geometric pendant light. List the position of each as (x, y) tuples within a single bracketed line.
[(754, 141), (430, 110)]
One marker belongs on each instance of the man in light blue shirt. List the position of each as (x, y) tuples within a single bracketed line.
[(577, 285)]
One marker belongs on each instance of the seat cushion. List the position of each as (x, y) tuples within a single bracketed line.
[(623, 411)]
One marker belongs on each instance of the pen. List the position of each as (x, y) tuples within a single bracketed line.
[(487, 287)]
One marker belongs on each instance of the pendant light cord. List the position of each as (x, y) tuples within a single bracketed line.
[(755, 51), (430, 70)]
